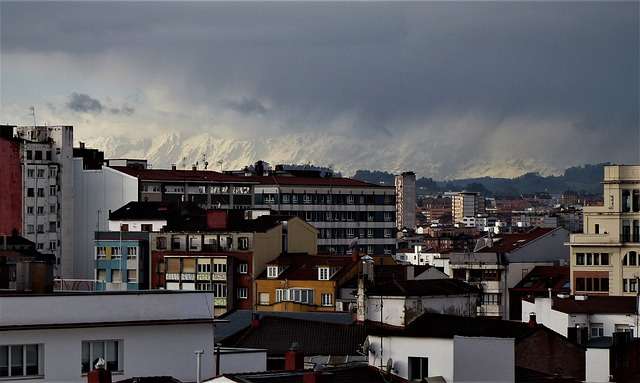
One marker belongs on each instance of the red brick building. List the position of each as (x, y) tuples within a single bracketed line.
[(10, 182)]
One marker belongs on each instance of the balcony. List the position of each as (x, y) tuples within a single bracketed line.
[(219, 276), (628, 238), (204, 276), (593, 239), (188, 276), (172, 276), (219, 301)]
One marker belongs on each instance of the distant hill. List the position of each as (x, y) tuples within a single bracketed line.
[(583, 179)]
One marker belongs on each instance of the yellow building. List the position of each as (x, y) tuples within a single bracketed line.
[(605, 257), (303, 282)]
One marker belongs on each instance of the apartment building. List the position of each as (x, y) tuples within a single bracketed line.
[(303, 282), (121, 261), (406, 201), (22, 268), (605, 257), (466, 205), (342, 209), (10, 182)]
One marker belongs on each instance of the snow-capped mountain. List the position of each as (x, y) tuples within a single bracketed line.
[(344, 154)]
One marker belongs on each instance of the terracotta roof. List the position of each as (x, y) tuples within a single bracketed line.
[(596, 305), (430, 325), (424, 287), (212, 176), (505, 243), (299, 266), (541, 278), (276, 334)]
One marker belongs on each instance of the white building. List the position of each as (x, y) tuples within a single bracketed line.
[(406, 201), (421, 257), (46, 154), (141, 334), (601, 316), (97, 192)]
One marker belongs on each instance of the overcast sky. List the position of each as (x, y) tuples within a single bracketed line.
[(486, 82)]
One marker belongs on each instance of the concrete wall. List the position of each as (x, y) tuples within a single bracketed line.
[(145, 350), (137, 225), (96, 192), (399, 349), (242, 361), (483, 359), (555, 320), (597, 365), (27, 310)]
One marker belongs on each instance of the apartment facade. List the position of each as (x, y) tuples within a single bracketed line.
[(10, 182), (121, 261), (406, 201), (466, 205), (342, 209), (605, 257)]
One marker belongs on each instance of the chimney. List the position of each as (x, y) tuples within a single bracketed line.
[(99, 375), (255, 320), (81, 145), (532, 320), (194, 168), (173, 167), (294, 359)]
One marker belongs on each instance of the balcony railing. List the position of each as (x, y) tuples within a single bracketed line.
[(219, 301), (219, 276), (188, 276), (172, 276), (635, 238), (588, 239), (204, 276)]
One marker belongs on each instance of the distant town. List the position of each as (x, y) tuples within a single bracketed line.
[(114, 270)]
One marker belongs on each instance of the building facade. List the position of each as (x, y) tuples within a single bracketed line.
[(605, 257), (121, 261), (10, 182), (466, 205), (406, 201)]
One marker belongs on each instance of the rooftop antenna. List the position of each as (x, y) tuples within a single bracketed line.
[(220, 162), (33, 113), (184, 162), (204, 160)]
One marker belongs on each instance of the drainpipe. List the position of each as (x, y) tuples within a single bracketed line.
[(198, 354)]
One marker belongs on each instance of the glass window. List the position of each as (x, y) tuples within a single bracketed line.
[(604, 259), (418, 368), (242, 292), (243, 268), (327, 299), (580, 284), (589, 259), (597, 330), (116, 276), (93, 350), (323, 273), (16, 360), (626, 200), (272, 271)]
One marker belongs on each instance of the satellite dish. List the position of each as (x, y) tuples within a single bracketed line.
[(389, 365)]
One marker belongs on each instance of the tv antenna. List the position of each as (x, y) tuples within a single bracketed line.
[(32, 109), (220, 162)]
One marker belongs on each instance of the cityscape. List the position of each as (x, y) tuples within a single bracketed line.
[(372, 192)]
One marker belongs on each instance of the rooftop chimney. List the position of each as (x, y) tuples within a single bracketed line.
[(255, 321), (100, 374), (194, 168), (81, 145), (532, 320), (294, 358), (173, 167)]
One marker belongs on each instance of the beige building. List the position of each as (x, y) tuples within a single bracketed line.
[(466, 205), (604, 258)]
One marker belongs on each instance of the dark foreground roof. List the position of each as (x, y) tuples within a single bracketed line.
[(305, 267), (542, 278), (596, 305), (359, 373), (447, 326), (423, 287), (150, 379), (277, 334)]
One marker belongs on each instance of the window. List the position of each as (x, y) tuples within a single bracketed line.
[(633, 284), (630, 259), (29, 154), (597, 229), (387, 233), (101, 251), (307, 199), (30, 173), (38, 154), (323, 273), (369, 233), (418, 368), (350, 233), (272, 271), (304, 296), (242, 293), (580, 284), (30, 192), (29, 209), (490, 299), (243, 243), (294, 198), (40, 173), (219, 267), (204, 267), (52, 190), (285, 198), (52, 245), (40, 192), (52, 173), (40, 246), (243, 268), (116, 276), (52, 209), (589, 259), (115, 251), (132, 251), (48, 155), (101, 275), (203, 286), (626, 200), (263, 298), (350, 199), (219, 290), (132, 276), (40, 228), (280, 295), (20, 360), (40, 210), (161, 243), (93, 350), (52, 227), (604, 259), (597, 330), (625, 285), (327, 299)]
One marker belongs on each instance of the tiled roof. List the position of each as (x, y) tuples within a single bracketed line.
[(541, 278), (430, 325), (277, 334), (212, 176), (596, 305), (303, 267), (360, 373), (425, 287), (505, 243)]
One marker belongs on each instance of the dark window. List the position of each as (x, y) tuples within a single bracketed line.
[(30, 192), (146, 227), (418, 368), (626, 200), (48, 155), (579, 284), (29, 154), (589, 283), (40, 192), (38, 155), (161, 243), (604, 284), (124, 227), (579, 258), (597, 228), (636, 200), (604, 259)]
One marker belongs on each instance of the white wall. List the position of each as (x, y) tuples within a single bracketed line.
[(555, 320), (392, 310), (439, 352), (146, 350), (87, 308), (137, 225), (96, 192), (483, 359), (237, 362), (597, 365)]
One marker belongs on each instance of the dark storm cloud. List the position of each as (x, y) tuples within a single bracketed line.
[(394, 68), (246, 106), (83, 103), (126, 110)]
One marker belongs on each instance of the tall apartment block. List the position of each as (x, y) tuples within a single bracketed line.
[(605, 257), (466, 205), (10, 182), (45, 188), (406, 201), (344, 211)]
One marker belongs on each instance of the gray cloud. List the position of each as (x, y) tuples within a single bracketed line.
[(80, 102), (126, 110), (459, 76), (246, 106)]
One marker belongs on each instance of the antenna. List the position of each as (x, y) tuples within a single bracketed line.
[(204, 161), (33, 113), (220, 162)]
